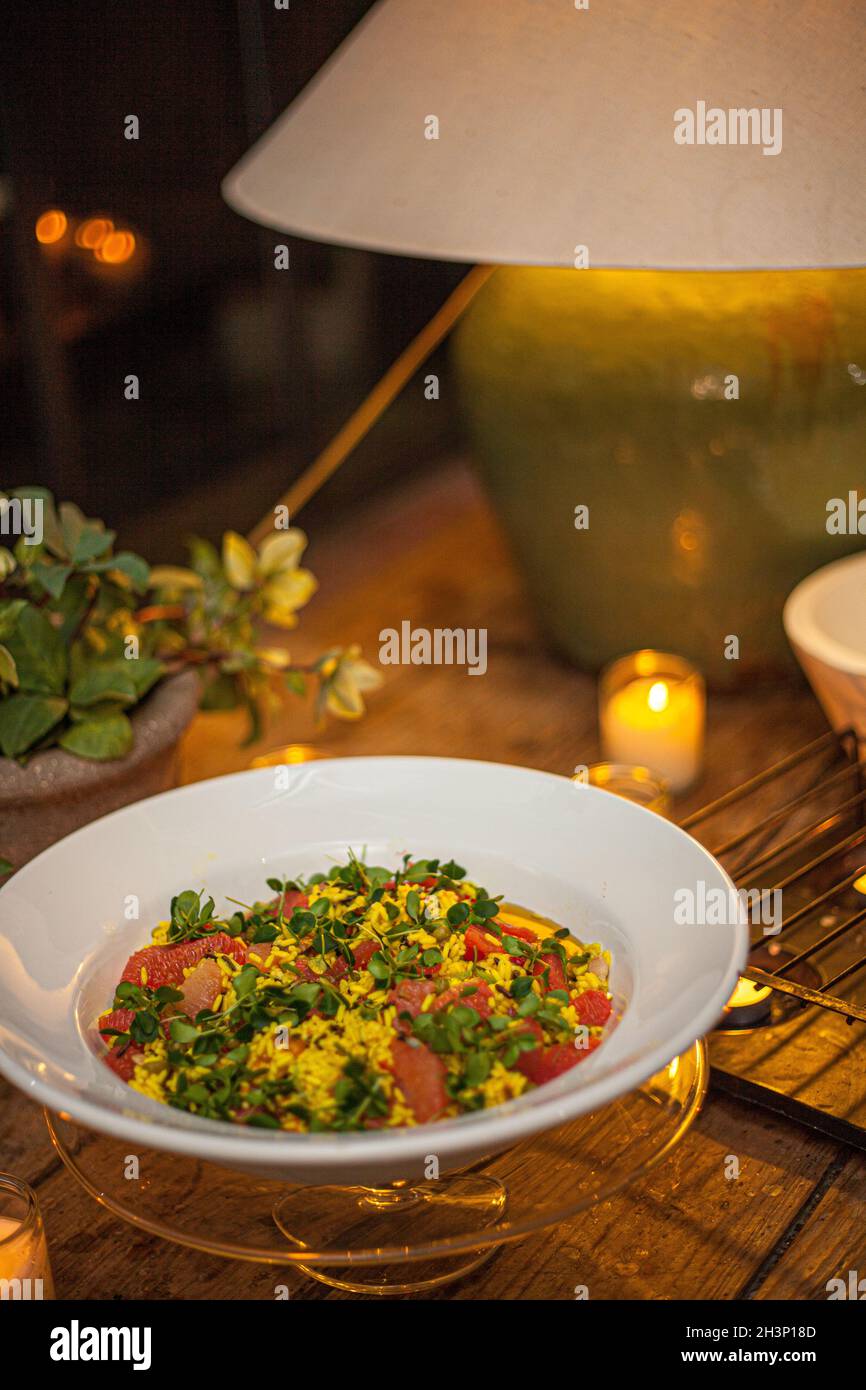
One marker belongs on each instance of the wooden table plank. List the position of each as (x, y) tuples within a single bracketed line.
[(687, 1231), (433, 554), (831, 1243)]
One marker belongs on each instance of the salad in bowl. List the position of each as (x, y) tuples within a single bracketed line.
[(359, 998), (323, 1006)]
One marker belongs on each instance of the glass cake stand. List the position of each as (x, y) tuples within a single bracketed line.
[(404, 1238)]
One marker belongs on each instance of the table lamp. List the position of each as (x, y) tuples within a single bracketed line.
[(655, 434)]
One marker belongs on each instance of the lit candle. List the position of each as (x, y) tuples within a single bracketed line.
[(651, 712), (24, 1269), (749, 1004)]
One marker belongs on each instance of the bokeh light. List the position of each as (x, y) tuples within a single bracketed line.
[(93, 232), (116, 248), (51, 226)]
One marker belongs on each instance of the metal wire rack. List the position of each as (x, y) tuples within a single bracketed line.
[(798, 830), (753, 853)]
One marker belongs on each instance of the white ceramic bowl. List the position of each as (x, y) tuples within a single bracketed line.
[(602, 866), (825, 620)]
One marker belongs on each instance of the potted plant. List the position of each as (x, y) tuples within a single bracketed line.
[(104, 660)]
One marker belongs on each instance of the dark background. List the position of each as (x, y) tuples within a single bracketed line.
[(245, 371)]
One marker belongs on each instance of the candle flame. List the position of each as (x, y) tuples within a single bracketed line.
[(747, 992), (658, 696)]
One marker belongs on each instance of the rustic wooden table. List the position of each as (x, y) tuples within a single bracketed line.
[(796, 1216)]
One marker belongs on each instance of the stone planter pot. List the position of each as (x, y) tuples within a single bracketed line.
[(55, 792)]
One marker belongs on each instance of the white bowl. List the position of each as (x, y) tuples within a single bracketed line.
[(602, 866), (825, 620)]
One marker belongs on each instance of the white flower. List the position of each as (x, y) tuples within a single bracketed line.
[(346, 676), (285, 587)]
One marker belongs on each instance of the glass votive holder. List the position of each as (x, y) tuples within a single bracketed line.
[(634, 783), (290, 755), (25, 1272), (652, 713)]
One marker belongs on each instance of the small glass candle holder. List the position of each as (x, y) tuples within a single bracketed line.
[(634, 783), (652, 712), (25, 1272), (290, 755)]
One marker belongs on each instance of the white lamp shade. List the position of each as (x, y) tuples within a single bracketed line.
[(556, 130)]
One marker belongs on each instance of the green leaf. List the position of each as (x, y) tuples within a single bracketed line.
[(378, 967), (181, 1031), (104, 682), (52, 577), (377, 875), (465, 1016), (136, 570), (25, 719), (145, 672), (295, 683), (101, 710), (220, 693), (264, 932), (72, 606), (245, 981), (144, 1027), (166, 995), (5, 867), (126, 990), (8, 669), (521, 986), (477, 1068), (307, 993), (452, 870), (83, 540), (9, 611), (26, 554), (204, 557), (93, 541), (38, 652), (99, 739), (186, 903)]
